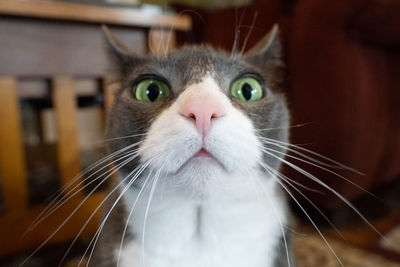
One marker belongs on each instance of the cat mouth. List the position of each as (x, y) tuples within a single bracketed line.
[(203, 156), (202, 153)]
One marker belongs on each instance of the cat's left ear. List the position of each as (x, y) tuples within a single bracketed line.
[(268, 51), (123, 58)]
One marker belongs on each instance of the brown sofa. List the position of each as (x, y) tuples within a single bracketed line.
[(344, 63)]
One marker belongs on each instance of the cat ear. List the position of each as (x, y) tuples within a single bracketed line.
[(268, 50), (122, 57)]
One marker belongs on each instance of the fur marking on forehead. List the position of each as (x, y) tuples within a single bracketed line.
[(205, 82)]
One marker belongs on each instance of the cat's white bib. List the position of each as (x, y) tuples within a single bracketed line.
[(243, 231)]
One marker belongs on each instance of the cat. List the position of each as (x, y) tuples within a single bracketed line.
[(188, 134)]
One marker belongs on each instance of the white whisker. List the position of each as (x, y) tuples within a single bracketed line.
[(68, 218), (69, 196), (122, 137), (89, 219), (249, 33), (162, 187), (315, 179), (284, 128), (304, 211), (97, 234), (274, 210), (168, 40), (153, 187), (65, 198), (60, 192), (303, 186), (311, 152), (130, 215), (149, 42), (320, 167), (287, 180), (237, 32)]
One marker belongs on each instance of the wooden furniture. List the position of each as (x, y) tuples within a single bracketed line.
[(50, 48)]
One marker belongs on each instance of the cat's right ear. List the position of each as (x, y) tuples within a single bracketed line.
[(268, 51), (122, 57)]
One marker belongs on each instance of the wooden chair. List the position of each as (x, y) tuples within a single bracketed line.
[(28, 34), (18, 214)]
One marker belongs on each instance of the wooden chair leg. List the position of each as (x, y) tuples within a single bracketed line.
[(12, 162)]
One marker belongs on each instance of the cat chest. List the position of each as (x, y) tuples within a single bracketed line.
[(214, 234)]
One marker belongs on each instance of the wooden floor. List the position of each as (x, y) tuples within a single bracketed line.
[(365, 237), (382, 210)]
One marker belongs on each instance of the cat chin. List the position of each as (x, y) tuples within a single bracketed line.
[(203, 168), (197, 175), (199, 165)]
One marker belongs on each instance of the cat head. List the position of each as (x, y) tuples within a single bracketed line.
[(198, 113)]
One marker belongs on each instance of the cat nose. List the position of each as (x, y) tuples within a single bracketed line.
[(202, 110)]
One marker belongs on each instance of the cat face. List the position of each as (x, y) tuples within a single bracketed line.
[(198, 112)]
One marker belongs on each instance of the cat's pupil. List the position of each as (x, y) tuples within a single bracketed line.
[(152, 91), (247, 91)]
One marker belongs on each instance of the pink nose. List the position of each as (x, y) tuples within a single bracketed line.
[(202, 110)]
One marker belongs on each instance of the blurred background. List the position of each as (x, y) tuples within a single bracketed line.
[(56, 86)]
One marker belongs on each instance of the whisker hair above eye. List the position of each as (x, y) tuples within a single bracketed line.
[(237, 32), (249, 33), (169, 38), (303, 210), (161, 44), (193, 12), (235, 38), (149, 43)]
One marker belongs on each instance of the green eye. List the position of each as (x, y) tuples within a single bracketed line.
[(247, 89), (151, 90)]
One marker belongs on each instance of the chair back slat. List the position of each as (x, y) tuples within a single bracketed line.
[(64, 101), (110, 87), (12, 161)]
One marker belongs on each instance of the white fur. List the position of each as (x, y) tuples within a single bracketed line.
[(241, 212)]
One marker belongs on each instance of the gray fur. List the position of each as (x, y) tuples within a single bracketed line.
[(180, 69), (282, 258), (186, 66)]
